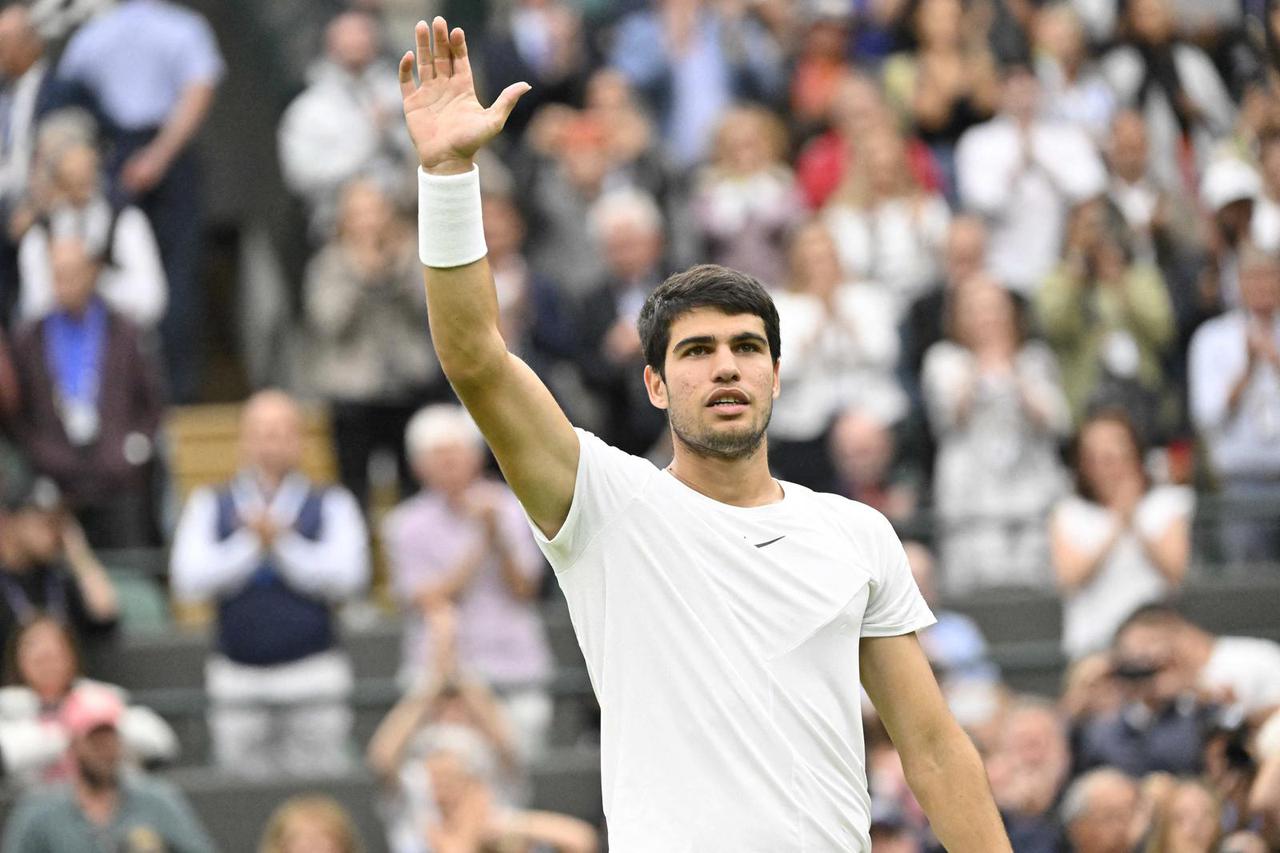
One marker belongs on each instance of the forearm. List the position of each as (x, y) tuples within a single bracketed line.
[(949, 781), (453, 583), (96, 590), (185, 120), (387, 746), (518, 582)]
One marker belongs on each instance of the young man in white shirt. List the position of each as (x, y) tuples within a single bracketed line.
[(725, 617)]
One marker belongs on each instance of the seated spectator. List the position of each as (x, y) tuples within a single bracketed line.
[(1109, 320), (856, 106), (1100, 813), (1029, 768), (868, 467), (372, 355), (347, 123), (1119, 542), (997, 412), (1074, 92), (462, 556), (275, 553), (1187, 821), (820, 62), (745, 200), (92, 403), (103, 806), (1239, 671), (948, 83), (1234, 396), (1162, 725), (890, 230), (1264, 228), (1229, 190), (691, 60), (46, 679), (629, 229), (311, 823), (841, 350), (47, 568), (1174, 84), (132, 280), (1023, 174)]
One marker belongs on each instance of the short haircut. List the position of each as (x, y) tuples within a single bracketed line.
[(1075, 802), (1163, 614), (704, 286), (632, 206), (438, 424)]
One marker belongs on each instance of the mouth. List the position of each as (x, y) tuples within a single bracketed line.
[(728, 402)]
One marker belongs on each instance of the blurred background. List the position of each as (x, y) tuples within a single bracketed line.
[(264, 589)]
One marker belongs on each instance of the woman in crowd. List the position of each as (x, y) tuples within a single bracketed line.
[(1187, 821), (43, 673), (889, 228), (373, 359), (1120, 541), (746, 199), (841, 351), (997, 410), (310, 824)]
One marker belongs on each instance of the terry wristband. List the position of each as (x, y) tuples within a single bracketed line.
[(450, 226)]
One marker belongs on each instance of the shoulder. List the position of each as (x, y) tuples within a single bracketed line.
[(409, 511), (1168, 501), (156, 794), (45, 803), (858, 521), (603, 454), (1218, 329), (1073, 511)]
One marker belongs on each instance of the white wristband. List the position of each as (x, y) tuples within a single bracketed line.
[(450, 226)]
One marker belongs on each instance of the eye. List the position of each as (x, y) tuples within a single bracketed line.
[(748, 346), (698, 349)]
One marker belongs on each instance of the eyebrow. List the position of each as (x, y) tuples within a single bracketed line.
[(707, 340)]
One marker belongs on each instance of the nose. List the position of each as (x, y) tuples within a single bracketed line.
[(725, 368)]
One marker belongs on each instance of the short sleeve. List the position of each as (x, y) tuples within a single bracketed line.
[(1163, 506), (607, 481), (894, 605), (199, 60)]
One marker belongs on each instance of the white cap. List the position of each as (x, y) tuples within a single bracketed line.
[(1226, 180)]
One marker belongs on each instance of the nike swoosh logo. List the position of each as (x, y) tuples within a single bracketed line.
[(771, 541)]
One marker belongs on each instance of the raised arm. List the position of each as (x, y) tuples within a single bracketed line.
[(530, 436)]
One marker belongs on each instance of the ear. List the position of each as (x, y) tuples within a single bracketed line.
[(656, 386), (777, 385)]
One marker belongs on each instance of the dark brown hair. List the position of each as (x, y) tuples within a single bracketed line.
[(1110, 415)]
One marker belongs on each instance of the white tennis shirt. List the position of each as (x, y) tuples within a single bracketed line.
[(722, 643)]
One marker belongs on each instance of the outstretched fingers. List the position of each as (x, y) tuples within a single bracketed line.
[(407, 86), (443, 64), (458, 46), (506, 102), (422, 45)]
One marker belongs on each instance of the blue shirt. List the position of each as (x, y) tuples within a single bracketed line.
[(139, 57)]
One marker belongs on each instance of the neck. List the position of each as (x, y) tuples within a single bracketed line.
[(744, 481), (11, 555), (98, 802)]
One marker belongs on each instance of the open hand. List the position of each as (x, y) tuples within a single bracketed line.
[(446, 121)]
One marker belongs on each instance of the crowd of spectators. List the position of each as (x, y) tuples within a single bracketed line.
[(1026, 256)]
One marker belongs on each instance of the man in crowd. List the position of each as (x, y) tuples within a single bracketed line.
[(104, 807), (276, 553), (1099, 812)]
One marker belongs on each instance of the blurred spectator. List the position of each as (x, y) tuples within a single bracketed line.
[(956, 649), (964, 255), (1028, 768), (540, 42), (1109, 320), (44, 679), (92, 403), (1239, 671), (1023, 173), (1162, 725), (312, 823), (820, 62), (628, 227), (841, 351), (867, 467), (372, 355), (1174, 84), (442, 801), (997, 410), (1088, 689), (1074, 91), (691, 59), (1234, 394), (1264, 226), (1229, 189), (348, 123), (857, 106), (1243, 842), (462, 556), (889, 229), (13, 464), (276, 553), (745, 200), (104, 806), (890, 834), (47, 568), (132, 280), (1100, 811), (1119, 542), (1189, 822), (948, 83), (153, 67)]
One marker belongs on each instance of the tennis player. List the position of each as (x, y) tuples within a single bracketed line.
[(727, 619)]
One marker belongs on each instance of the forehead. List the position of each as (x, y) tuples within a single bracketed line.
[(703, 322)]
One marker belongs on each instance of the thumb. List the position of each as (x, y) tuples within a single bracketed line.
[(506, 102)]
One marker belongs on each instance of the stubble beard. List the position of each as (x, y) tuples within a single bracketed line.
[(725, 445)]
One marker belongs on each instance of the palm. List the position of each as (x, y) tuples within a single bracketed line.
[(445, 119)]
